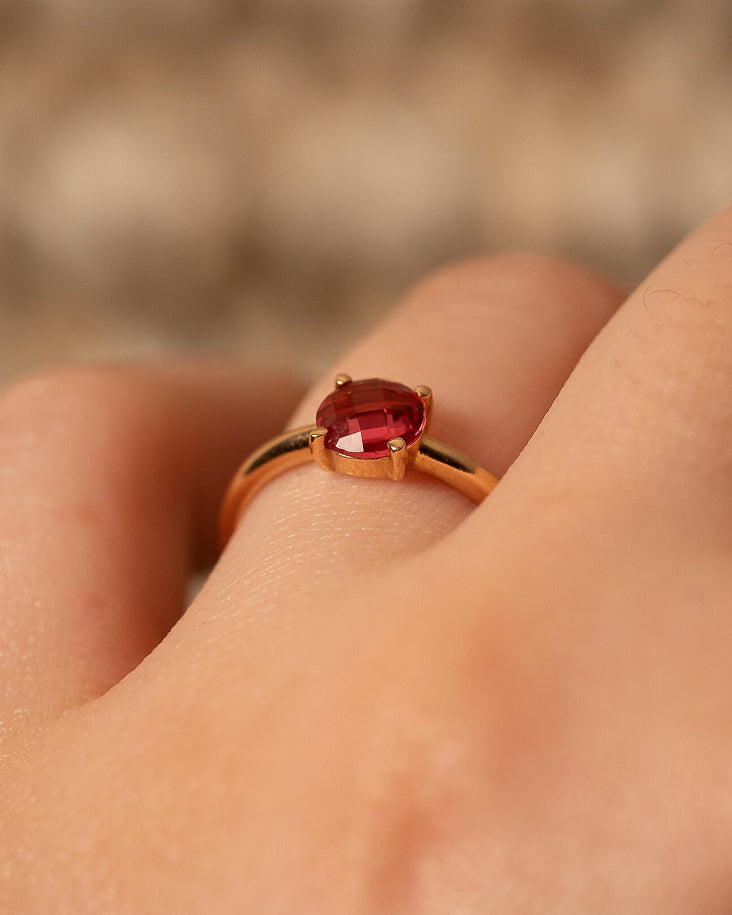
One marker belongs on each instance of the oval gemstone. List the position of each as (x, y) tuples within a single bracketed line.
[(362, 416)]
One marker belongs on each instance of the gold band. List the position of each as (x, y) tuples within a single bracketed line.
[(295, 447)]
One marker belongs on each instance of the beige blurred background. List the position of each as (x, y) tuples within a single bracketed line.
[(261, 179)]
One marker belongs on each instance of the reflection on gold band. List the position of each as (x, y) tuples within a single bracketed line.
[(301, 446)]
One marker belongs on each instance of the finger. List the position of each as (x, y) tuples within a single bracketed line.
[(109, 485), (495, 339), (639, 445)]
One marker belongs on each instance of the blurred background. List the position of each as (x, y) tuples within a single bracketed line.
[(261, 179)]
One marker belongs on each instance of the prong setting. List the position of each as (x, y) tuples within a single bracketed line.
[(425, 394), (375, 429), (321, 455), (398, 457)]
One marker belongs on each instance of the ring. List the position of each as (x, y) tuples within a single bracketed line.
[(368, 428)]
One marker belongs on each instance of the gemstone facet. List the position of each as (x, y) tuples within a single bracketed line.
[(363, 416)]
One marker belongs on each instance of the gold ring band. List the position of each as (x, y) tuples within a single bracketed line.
[(412, 450)]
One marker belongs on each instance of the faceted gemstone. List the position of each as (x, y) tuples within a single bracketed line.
[(362, 416)]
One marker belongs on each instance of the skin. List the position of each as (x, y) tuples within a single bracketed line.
[(384, 700)]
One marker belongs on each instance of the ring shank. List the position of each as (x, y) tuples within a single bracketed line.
[(292, 448)]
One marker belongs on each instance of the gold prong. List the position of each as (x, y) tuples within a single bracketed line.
[(425, 394), (342, 379), (320, 453), (397, 458)]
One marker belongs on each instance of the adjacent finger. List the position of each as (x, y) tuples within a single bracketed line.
[(109, 484), (638, 448)]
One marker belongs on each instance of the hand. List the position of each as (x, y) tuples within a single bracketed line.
[(384, 700)]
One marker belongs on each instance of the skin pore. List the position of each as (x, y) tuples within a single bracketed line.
[(384, 700)]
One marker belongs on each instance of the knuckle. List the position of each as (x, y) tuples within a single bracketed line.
[(517, 279), (63, 404), (471, 270)]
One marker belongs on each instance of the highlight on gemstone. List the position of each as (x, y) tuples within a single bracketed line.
[(361, 417)]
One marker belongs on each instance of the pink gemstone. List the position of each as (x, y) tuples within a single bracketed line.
[(362, 416)]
